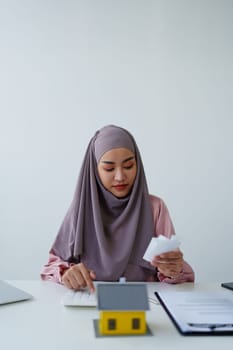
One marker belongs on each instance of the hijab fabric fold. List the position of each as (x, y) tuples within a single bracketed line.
[(108, 234)]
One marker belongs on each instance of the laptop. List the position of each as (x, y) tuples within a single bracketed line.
[(11, 294)]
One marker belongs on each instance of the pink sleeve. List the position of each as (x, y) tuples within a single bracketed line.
[(162, 220), (164, 226), (54, 269)]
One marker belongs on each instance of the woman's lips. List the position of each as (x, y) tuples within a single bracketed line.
[(120, 187)]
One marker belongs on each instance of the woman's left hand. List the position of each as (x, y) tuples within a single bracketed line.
[(170, 264)]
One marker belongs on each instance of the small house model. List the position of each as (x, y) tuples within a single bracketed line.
[(122, 308)]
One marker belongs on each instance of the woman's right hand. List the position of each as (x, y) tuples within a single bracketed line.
[(78, 276)]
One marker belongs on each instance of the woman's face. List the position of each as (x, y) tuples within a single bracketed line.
[(117, 170)]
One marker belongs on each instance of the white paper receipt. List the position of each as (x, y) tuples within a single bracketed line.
[(159, 245)]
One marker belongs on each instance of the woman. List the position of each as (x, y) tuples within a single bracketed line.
[(111, 221)]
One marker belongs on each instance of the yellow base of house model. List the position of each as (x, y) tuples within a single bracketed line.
[(122, 322)]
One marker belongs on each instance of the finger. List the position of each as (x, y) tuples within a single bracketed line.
[(171, 265), (86, 274), (66, 281), (92, 274), (75, 279), (175, 254), (173, 262), (169, 256), (169, 271)]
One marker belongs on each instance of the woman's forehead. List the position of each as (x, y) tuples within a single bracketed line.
[(117, 154)]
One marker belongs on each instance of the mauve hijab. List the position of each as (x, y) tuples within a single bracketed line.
[(108, 234)]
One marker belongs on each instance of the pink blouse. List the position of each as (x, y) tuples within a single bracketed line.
[(56, 267)]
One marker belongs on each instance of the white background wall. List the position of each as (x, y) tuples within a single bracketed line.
[(163, 69)]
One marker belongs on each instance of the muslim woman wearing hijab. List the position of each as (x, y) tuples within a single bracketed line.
[(111, 221)]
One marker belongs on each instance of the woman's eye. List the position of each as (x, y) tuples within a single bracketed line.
[(129, 166), (109, 169)]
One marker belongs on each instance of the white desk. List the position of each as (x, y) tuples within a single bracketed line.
[(43, 323)]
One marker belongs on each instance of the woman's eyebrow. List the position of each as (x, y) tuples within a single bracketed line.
[(127, 159), (107, 162), (123, 161)]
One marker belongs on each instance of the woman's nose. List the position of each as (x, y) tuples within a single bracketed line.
[(119, 175)]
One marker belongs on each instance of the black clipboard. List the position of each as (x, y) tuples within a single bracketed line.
[(191, 331), (228, 285)]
